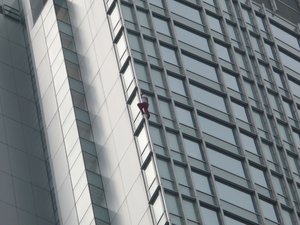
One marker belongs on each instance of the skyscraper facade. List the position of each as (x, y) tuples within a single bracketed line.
[(221, 146)]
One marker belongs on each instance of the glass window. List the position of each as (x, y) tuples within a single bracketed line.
[(201, 183), (184, 116), (258, 176), (214, 24), (127, 13), (288, 109), (279, 80), (156, 2), (293, 164), (165, 109), (285, 37), (274, 101), (289, 61), (157, 77), (164, 168), (224, 5), (209, 216), (248, 143), (134, 42), (284, 133), (192, 38), (198, 67), (208, 98), (260, 23), (181, 175), (235, 196), (248, 18), (294, 86), (268, 152), (225, 162), (216, 129), (296, 136), (241, 60), (173, 141), (189, 209), (156, 135), (172, 204), (176, 85), (192, 149), (231, 81), (158, 207), (210, 2), (264, 72), (185, 11), (115, 16), (255, 43), (150, 48), (259, 120), (268, 210), (222, 52), (232, 32), (270, 51), (230, 221), (287, 217), (121, 46), (161, 26), (143, 18), (239, 112), (169, 55), (278, 185)]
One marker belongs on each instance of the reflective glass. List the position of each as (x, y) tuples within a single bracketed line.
[(294, 86), (209, 216), (198, 67), (287, 217), (208, 98), (169, 55), (235, 196), (156, 2), (201, 183), (192, 149), (143, 18), (134, 42), (216, 129), (239, 112), (214, 24), (176, 85), (127, 12), (158, 207), (165, 109), (268, 210), (189, 209), (161, 26), (172, 204), (278, 184), (285, 37), (191, 38), (248, 143), (181, 175), (225, 162), (231, 81), (289, 61), (222, 52), (184, 116), (185, 11), (230, 221), (258, 176)]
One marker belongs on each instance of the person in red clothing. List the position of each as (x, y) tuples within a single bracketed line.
[(143, 105)]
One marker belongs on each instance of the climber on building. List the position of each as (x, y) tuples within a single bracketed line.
[(143, 105)]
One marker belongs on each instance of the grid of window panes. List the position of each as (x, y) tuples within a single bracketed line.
[(222, 81)]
